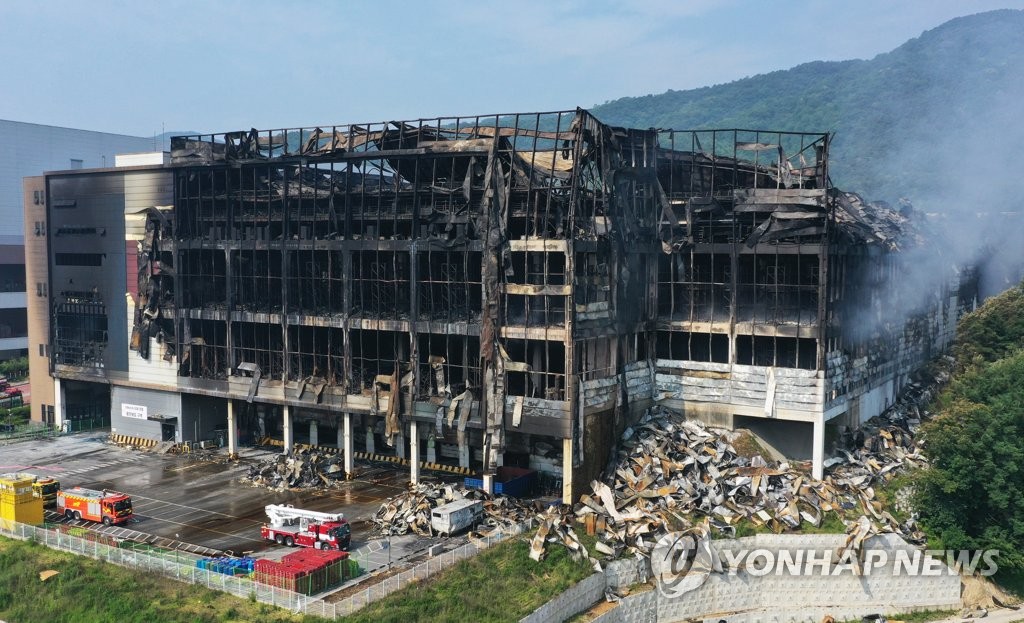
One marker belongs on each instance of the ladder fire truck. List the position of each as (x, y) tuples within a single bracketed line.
[(294, 526), (109, 507)]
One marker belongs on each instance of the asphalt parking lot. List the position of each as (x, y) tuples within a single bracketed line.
[(198, 503)]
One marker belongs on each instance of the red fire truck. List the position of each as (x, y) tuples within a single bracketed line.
[(110, 507), (294, 526)]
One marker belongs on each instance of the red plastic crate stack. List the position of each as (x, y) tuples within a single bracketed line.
[(305, 571)]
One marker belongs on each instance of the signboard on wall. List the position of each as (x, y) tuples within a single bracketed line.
[(136, 412)]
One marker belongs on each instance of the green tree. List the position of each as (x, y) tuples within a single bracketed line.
[(972, 496)]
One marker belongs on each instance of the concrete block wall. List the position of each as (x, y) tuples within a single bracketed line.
[(772, 598), (797, 597), (573, 601), (638, 608), (627, 572)]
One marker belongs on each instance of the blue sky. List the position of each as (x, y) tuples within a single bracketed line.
[(137, 67)]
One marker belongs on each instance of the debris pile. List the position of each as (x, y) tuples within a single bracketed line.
[(555, 526), (410, 511), (672, 472), (301, 468)]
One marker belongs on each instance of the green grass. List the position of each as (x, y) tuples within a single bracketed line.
[(887, 493), (919, 617), (831, 523), (89, 591), (924, 617), (500, 584)]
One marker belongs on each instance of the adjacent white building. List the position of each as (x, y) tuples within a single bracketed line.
[(29, 149)]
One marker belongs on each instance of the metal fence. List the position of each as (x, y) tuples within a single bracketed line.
[(182, 566), (32, 430)]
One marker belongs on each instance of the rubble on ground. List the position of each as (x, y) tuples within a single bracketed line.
[(410, 511), (672, 473), (301, 468)]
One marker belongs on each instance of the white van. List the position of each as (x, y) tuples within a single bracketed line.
[(454, 516)]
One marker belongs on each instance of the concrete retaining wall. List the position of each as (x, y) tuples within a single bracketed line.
[(744, 598), (639, 608), (573, 601)]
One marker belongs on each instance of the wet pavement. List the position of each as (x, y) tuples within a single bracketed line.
[(198, 500)]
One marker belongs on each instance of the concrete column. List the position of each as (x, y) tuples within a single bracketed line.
[(567, 471), (818, 450), (414, 453), (431, 449), (464, 454), (287, 419), (489, 483), (369, 440), (314, 437), (346, 434), (232, 429), (58, 403), (400, 445)]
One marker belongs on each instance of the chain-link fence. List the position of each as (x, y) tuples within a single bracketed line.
[(182, 566)]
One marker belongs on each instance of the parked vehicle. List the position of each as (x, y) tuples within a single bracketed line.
[(109, 507), (11, 398), (294, 526), (455, 516), (46, 489)]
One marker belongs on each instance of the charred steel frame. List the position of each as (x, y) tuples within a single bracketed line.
[(511, 255)]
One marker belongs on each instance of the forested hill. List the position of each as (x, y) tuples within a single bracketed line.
[(930, 117)]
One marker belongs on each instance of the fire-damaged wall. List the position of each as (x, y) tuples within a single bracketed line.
[(478, 290)]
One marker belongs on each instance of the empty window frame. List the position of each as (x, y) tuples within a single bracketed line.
[(592, 279), (546, 376), (537, 268), (449, 364), (204, 351), (257, 280), (543, 175), (316, 283), (782, 352), (204, 201), (379, 205), (80, 331), (694, 287), (595, 359), (259, 343), (376, 353), (777, 289), (448, 285), (380, 284), (315, 208), (316, 353), (693, 346), (201, 278), (78, 259)]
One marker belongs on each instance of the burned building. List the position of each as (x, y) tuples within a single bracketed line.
[(480, 291)]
